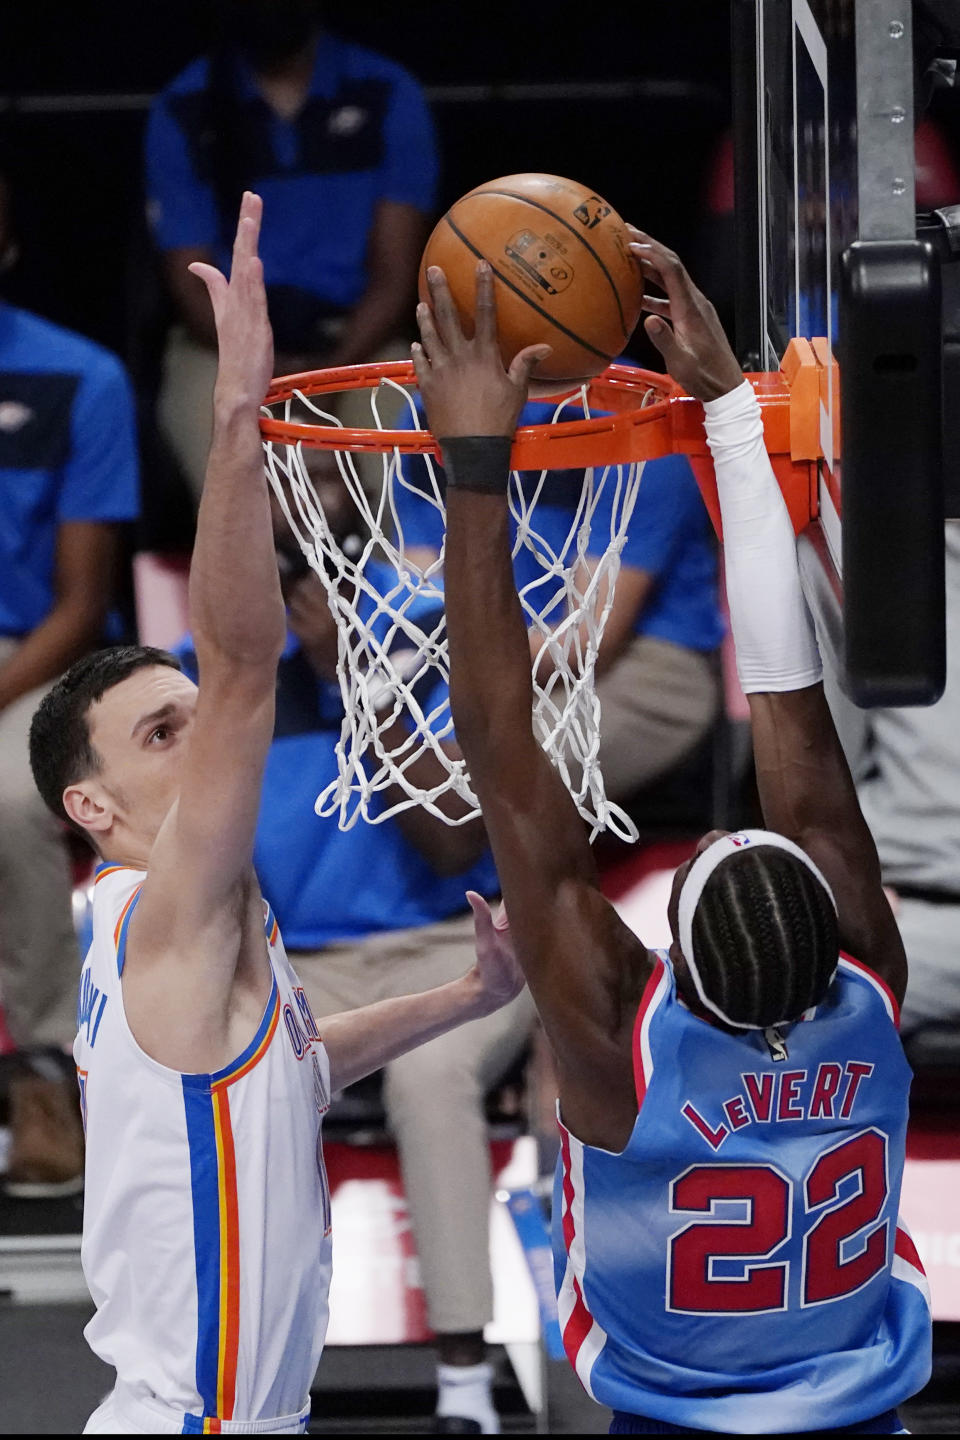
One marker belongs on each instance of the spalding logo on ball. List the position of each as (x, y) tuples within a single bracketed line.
[(564, 274)]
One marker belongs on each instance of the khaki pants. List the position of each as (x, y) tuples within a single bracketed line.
[(434, 1098), (39, 960), (657, 701), (185, 407), (931, 938)]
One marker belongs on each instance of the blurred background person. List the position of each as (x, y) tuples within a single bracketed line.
[(68, 479), (339, 142), (380, 910), (905, 764)]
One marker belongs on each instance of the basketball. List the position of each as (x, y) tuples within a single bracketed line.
[(563, 271)]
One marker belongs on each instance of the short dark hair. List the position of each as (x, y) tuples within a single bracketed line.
[(61, 751), (764, 937)]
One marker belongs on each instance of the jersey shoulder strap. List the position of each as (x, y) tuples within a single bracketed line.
[(659, 996), (117, 889), (871, 983)]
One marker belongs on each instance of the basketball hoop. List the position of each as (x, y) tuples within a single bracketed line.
[(392, 654)]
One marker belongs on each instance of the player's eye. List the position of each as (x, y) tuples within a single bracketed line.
[(159, 734)]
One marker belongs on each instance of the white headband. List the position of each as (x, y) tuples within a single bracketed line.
[(700, 872)]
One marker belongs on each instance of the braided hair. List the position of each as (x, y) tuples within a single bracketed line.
[(765, 937)]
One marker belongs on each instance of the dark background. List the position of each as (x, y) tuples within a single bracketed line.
[(76, 165)]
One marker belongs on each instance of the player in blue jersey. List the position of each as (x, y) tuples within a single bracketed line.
[(733, 1112)]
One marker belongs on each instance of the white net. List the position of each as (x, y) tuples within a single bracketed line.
[(386, 594)]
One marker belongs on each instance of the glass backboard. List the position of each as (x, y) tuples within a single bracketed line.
[(825, 198)]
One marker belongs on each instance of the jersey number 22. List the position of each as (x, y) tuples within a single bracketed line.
[(695, 1250)]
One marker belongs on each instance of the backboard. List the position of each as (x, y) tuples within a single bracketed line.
[(824, 154)]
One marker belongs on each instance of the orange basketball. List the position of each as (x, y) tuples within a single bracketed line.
[(564, 274)]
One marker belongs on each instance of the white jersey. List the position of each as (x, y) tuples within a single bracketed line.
[(206, 1231)]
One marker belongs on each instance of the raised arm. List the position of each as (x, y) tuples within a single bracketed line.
[(805, 786), (200, 884), (585, 968)]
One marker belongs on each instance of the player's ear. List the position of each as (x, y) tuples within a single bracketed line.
[(88, 808)]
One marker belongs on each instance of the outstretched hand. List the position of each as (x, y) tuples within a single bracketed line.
[(684, 327), (464, 386), (496, 971), (240, 313)]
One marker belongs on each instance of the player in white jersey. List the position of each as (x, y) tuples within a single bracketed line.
[(203, 1074)]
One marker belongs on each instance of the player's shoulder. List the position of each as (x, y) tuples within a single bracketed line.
[(359, 62), (872, 991), (188, 81), (30, 342)]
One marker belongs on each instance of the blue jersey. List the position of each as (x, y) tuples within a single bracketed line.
[(363, 136), (740, 1265), (68, 452)]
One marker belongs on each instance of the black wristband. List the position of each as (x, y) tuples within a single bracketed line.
[(477, 462)]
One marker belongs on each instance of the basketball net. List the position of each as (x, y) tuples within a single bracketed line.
[(393, 663)]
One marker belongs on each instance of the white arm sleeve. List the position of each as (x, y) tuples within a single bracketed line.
[(773, 633)]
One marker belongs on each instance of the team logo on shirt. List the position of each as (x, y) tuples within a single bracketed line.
[(14, 415), (348, 120)]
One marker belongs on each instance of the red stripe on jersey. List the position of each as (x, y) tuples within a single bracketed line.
[(905, 1248), (567, 1190), (877, 980), (646, 1000), (578, 1326)]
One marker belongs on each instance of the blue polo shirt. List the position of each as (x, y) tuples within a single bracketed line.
[(363, 135), (67, 452), (669, 536), (327, 884)]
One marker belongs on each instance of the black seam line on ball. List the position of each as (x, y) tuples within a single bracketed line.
[(545, 314), (509, 194)]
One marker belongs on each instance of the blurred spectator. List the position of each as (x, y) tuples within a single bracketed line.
[(380, 910), (339, 143), (68, 476), (905, 765), (657, 682)]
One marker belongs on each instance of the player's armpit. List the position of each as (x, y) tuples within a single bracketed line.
[(807, 794), (585, 968), (203, 853)]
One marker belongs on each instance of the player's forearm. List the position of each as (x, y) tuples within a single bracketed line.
[(803, 778), (491, 688), (236, 608), (448, 848), (394, 244), (187, 292), (71, 628), (377, 318), (774, 639), (362, 1041)]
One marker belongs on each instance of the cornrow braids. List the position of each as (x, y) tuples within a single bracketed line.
[(765, 937)]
